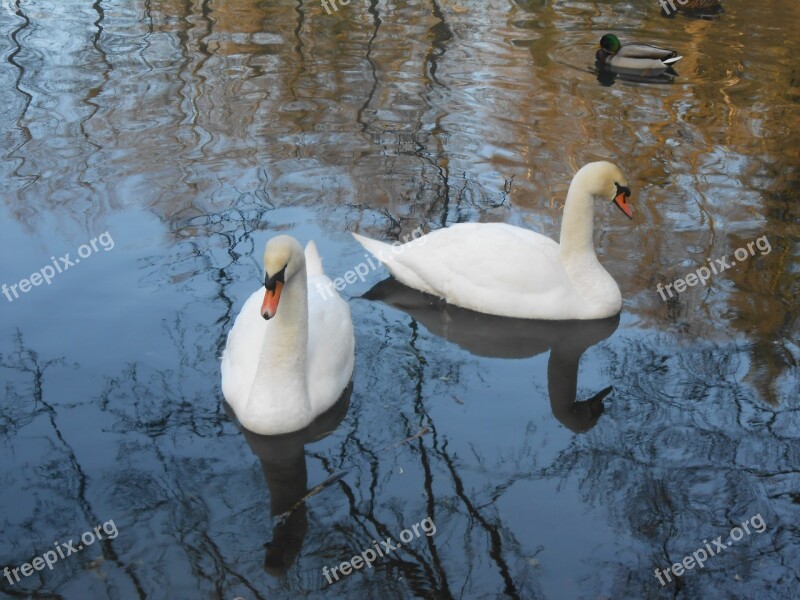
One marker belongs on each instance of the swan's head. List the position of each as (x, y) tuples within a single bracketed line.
[(283, 259), (605, 180)]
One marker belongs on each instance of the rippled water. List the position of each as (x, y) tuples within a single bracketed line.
[(192, 131)]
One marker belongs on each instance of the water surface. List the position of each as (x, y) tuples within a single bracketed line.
[(193, 131)]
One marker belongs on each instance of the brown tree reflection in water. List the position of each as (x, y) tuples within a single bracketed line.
[(232, 120)]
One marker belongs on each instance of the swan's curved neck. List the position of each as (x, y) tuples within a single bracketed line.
[(597, 288), (577, 225), (281, 369)]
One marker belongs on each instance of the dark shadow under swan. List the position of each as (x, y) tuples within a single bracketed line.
[(283, 462), (503, 337)]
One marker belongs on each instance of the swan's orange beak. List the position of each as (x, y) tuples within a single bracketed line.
[(619, 200), (270, 305)]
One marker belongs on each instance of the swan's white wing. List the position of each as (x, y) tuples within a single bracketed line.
[(313, 260), (331, 343), (331, 339), (240, 357), (489, 267)]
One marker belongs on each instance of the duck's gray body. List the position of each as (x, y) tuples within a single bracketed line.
[(642, 57)]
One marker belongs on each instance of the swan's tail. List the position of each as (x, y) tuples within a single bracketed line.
[(393, 262), (313, 260), (374, 247)]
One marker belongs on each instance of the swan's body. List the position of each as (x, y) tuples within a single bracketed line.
[(508, 271), (634, 57), (281, 373)]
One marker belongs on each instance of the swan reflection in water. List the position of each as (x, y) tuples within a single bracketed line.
[(502, 337), (283, 462)]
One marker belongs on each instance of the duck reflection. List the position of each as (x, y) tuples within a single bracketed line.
[(608, 75), (283, 462), (502, 337)]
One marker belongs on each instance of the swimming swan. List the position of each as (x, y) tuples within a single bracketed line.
[(290, 353), (509, 271)]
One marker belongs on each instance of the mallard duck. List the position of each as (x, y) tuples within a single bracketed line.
[(634, 56)]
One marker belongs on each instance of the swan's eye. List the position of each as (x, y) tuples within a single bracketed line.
[(271, 282), (621, 189)]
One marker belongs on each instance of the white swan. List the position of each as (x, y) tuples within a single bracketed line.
[(289, 354), (513, 272)]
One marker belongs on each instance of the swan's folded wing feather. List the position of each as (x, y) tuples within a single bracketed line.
[(313, 260), (331, 343), (240, 357), (491, 267), (386, 253)]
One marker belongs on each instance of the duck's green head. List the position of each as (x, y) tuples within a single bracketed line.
[(610, 43)]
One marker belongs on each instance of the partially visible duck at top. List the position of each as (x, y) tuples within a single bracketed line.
[(698, 7), (643, 57)]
